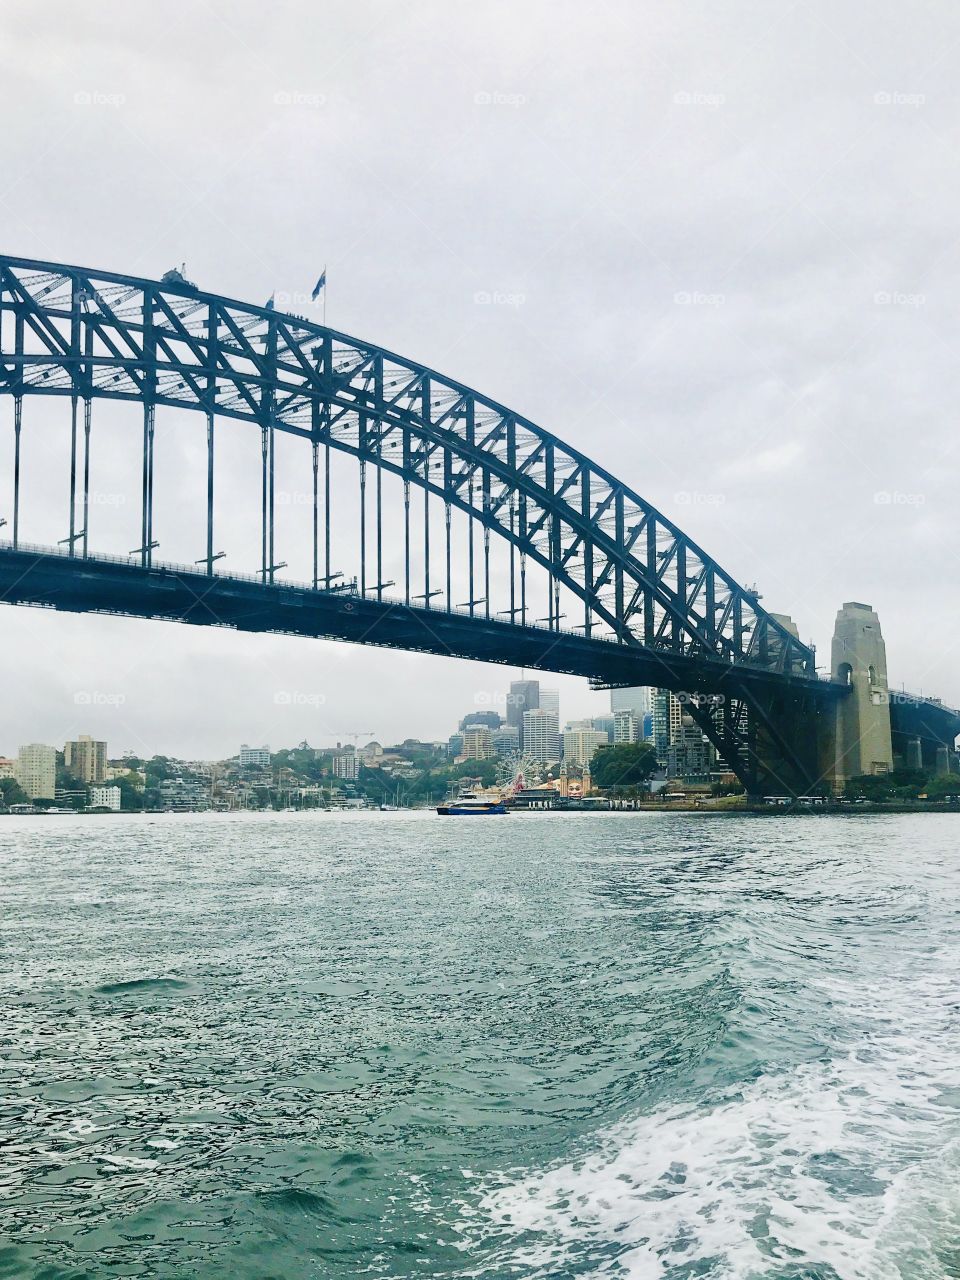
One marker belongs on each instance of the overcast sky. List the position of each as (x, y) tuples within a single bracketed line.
[(723, 244)]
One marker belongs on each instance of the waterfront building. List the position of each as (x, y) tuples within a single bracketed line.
[(371, 754), (105, 798), (581, 742), (626, 726), (254, 757), (8, 768), (184, 795), (541, 735), (524, 696), (477, 742), (65, 796), (86, 759), (37, 770)]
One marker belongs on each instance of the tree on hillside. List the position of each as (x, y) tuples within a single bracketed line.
[(630, 764), (12, 792)]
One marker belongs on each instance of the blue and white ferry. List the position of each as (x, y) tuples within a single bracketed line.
[(469, 803)]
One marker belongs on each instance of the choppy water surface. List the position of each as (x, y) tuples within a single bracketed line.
[(393, 1045)]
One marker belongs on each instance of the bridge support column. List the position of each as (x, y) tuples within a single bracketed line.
[(859, 740)]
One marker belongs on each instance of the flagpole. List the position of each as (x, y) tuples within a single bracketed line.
[(324, 295)]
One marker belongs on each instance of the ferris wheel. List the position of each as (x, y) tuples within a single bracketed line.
[(517, 772)]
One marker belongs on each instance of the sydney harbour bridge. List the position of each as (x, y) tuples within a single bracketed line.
[(506, 544)]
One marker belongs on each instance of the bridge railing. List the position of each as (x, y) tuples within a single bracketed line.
[(43, 551), (345, 592)]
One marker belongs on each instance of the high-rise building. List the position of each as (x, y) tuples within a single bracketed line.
[(541, 735), (506, 740), (86, 759), (604, 724), (690, 754), (477, 742), (492, 719), (626, 726), (581, 742), (524, 696), (550, 700), (638, 700), (666, 723), (254, 757), (346, 763), (37, 770)]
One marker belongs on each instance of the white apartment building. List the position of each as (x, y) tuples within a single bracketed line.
[(346, 764), (37, 770), (105, 798), (254, 757)]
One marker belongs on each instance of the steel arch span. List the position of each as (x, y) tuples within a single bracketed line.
[(654, 606)]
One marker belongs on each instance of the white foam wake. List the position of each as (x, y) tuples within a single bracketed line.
[(846, 1164)]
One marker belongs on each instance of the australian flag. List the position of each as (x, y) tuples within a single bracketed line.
[(321, 283)]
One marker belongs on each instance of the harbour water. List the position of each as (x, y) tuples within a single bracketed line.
[(396, 1045)]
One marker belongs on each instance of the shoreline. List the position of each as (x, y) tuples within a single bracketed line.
[(705, 810)]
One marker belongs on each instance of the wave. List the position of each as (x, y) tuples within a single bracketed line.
[(842, 1168)]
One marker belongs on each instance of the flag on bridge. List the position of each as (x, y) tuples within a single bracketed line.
[(321, 284)]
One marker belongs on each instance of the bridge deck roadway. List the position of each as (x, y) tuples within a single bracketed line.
[(50, 578)]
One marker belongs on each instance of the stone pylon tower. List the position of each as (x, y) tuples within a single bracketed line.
[(862, 739)]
